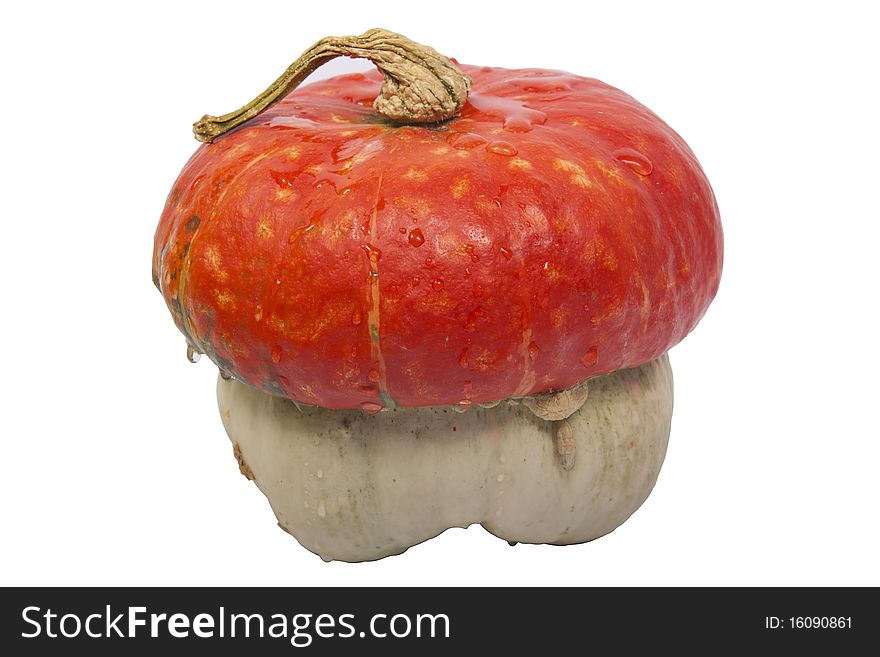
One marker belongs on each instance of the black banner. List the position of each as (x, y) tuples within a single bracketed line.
[(433, 621)]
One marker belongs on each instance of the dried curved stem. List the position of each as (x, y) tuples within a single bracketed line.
[(420, 86)]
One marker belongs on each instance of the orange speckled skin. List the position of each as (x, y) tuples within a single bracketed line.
[(555, 231)]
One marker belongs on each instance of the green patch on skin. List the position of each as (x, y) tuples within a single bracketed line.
[(387, 400), (273, 388), (375, 119)]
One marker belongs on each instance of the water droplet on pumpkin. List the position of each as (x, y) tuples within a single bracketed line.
[(552, 84), (429, 261), (402, 231), (283, 179), (373, 375), (467, 140), (507, 253), (324, 182), (416, 237), (463, 358), (276, 354), (437, 285), (357, 317), (517, 124), (346, 150), (192, 354), (515, 115), (635, 161), (590, 357), (462, 406), (370, 407), (533, 350), (469, 249), (415, 281), (298, 233), (373, 252), (502, 148), (292, 122)]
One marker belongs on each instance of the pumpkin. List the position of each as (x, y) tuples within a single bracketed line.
[(370, 256)]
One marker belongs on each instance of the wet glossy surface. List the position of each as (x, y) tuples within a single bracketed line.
[(556, 230)]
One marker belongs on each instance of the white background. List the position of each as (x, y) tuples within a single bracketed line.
[(116, 469)]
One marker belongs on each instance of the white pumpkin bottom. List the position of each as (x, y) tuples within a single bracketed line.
[(355, 487)]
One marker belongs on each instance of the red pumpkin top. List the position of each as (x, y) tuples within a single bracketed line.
[(556, 230)]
